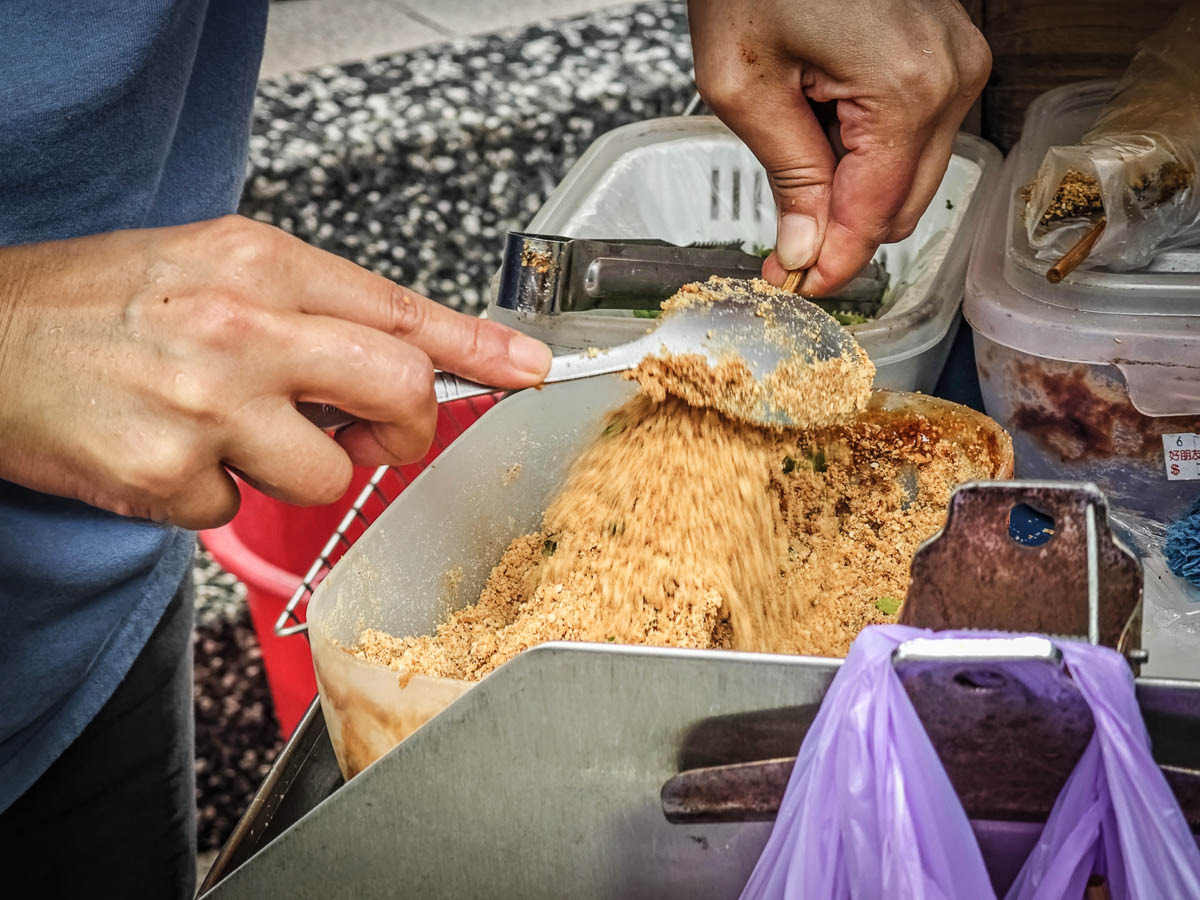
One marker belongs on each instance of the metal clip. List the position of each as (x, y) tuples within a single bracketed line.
[(1003, 714), (547, 275)]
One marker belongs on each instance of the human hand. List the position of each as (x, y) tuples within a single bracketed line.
[(137, 367), (900, 75)]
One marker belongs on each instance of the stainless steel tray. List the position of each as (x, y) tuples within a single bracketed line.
[(557, 791)]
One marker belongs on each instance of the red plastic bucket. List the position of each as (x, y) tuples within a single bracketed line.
[(287, 660), (270, 546)]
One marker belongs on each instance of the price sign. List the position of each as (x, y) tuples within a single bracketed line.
[(1181, 456)]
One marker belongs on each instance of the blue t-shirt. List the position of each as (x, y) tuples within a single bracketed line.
[(113, 114)]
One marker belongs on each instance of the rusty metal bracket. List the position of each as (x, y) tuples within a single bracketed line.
[(1081, 583)]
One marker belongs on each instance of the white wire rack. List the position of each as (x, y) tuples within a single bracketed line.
[(384, 486)]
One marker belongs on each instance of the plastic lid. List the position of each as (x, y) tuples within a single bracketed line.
[(1146, 323)]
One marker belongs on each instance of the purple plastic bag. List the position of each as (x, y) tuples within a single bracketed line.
[(869, 811), (1116, 816)]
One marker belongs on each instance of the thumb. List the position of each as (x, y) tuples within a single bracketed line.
[(872, 182), (785, 136)]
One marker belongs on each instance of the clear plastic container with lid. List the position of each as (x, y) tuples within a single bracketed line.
[(1088, 374), (1094, 376)]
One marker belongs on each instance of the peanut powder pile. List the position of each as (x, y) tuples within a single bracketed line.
[(1077, 195), (679, 527)]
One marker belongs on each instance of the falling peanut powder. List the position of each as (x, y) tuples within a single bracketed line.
[(679, 526)]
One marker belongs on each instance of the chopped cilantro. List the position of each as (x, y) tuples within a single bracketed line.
[(849, 318), (818, 461), (949, 205), (889, 606), (789, 465), (647, 313), (616, 426), (549, 546), (612, 638)]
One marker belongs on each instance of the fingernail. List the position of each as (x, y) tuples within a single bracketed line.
[(529, 355), (797, 242)]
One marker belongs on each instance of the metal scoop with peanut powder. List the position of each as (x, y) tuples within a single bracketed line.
[(742, 346)]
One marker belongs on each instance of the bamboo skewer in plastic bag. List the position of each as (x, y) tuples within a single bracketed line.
[(1135, 167)]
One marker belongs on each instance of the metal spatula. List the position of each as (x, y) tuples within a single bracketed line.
[(733, 325)]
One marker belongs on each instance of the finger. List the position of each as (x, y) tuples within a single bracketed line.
[(793, 149), (358, 369), (328, 285), (365, 449), (374, 376), (395, 443), (283, 455), (931, 169), (207, 500), (761, 99), (772, 270), (870, 186)]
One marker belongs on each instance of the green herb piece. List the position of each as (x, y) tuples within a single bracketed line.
[(612, 638), (889, 606), (616, 426), (849, 318), (789, 465), (949, 205), (615, 528), (818, 461), (647, 313), (549, 546), (761, 250)]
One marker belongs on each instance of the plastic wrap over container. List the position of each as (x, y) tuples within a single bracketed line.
[(1092, 377), (1142, 152), (690, 179), (432, 550)]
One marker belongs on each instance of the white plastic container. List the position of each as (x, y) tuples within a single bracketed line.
[(1088, 375), (690, 179)]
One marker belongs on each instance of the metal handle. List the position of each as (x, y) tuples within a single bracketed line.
[(1002, 712), (655, 274), (1095, 581), (446, 387)]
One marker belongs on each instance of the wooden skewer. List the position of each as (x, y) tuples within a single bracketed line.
[(793, 280), (1097, 889), (1076, 254)]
